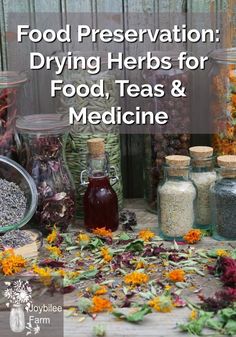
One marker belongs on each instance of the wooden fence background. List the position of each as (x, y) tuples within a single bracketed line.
[(132, 145)]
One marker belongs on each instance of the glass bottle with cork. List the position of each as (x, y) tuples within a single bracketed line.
[(223, 199), (100, 199), (176, 199), (203, 175)]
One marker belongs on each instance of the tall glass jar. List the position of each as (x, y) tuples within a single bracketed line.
[(175, 141), (223, 199), (11, 84), (100, 199), (76, 146), (176, 199), (203, 175), (223, 100), (42, 154)]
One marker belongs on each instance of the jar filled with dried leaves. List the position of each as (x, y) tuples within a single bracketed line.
[(223, 199), (204, 175), (176, 199), (42, 154)]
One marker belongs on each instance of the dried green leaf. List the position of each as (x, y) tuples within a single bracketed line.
[(135, 246), (84, 304), (134, 317)]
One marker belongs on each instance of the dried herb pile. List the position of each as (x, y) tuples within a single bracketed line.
[(108, 272)]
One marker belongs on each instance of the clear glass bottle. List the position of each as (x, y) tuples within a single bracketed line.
[(203, 175), (176, 141), (42, 154), (76, 148), (100, 199), (223, 199), (11, 84), (223, 100), (176, 199)]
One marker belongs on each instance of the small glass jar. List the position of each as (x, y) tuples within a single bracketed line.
[(176, 140), (223, 199), (100, 199), (42, 154), (11, 84), (203, 175), (223, 100), (176, 199)]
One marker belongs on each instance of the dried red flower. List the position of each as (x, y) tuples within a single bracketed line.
[(226, 267)]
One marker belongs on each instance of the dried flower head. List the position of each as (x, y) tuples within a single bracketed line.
[(45, 274), (193, 236), (101, 290), (103, 232), (10, 263), (193, 315), (83, 238), (222, 252), (54, 251), (100, 304), (106, 254), (52, 237), (161, 303), (176, 275), (146, 235), (136, 278)]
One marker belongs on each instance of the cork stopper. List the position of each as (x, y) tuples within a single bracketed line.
[(96, 146), (177, 160), (228, 161), (201, 152), (178, 165), (228, 165)]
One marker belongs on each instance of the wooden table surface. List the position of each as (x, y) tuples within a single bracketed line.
[(155, 324)]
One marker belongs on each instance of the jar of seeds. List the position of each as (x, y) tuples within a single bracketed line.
[(176, 199), (42, 154), (223, 199), (203, 174)]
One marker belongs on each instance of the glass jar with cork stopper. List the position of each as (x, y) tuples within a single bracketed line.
[(223, 199), (176, 199), (203, 175), (100, 199)]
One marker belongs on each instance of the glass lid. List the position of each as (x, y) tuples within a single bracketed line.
[(43, 124), (224, 55), (12, 78)]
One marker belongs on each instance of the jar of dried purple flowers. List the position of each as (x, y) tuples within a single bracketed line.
[(42, 154)]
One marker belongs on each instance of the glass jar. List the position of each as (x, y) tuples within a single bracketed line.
[(158, 146), (176, 199), (100, 199), (76, 146), (203, 175), (17, 318), (223, 199), (11, 84), (42, 154), (223, 100)]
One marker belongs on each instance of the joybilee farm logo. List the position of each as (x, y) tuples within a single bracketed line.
[(19, 299)]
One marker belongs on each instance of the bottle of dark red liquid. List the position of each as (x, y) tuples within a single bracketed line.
[(100, 200)]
